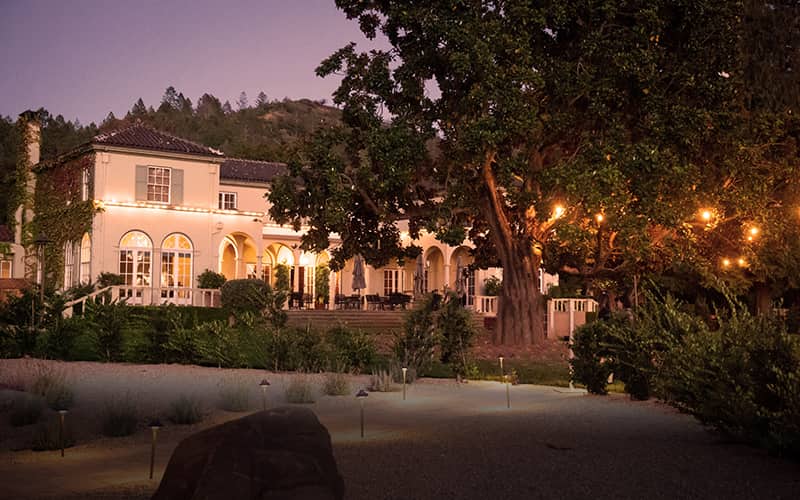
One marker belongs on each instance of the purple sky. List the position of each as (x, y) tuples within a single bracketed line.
[(84, 58)]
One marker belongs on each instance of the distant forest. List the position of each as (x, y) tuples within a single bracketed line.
[(258, 130)]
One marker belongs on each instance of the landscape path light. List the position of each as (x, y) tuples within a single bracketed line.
[(508, 392), (361, 396), (62, 414), (500, 358), (264, 384), (154, 425), (405, 370)]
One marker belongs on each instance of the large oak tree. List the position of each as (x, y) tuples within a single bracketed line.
[(495, 115)]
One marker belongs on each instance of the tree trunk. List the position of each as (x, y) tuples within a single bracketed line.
[(520, 310), (763, 298)]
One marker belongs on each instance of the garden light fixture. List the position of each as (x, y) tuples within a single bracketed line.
[(154, 425), (405, 370), (61, 416), (264, 384), (361, 396)]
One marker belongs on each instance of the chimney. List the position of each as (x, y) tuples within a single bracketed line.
[(29, 123), (33, 135)]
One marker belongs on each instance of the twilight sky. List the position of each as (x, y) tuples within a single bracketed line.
[(84, 58)]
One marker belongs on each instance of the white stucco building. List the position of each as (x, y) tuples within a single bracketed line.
[(168, 209)]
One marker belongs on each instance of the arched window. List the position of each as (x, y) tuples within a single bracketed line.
[(86, 259), (69, 264), (176, 265), (135, 257)]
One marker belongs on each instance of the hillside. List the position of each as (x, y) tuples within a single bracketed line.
[(266, 130)]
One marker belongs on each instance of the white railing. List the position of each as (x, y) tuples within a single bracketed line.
[(564, 315), (149, 296), (486, 304)]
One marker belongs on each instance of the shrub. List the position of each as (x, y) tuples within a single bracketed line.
[(48, 435), (300, 391), (185, 411), (219, 344), (306, 350), (456, 333), (590, 365), (269, 348), (234, 395), (51, 385), (639, 344), (415, 348), (353, 350), (108, 322), (58, 341), (244, 295), (210, 279), (743, 379), (382, 381), (336, 384), (26, 410), (119, 418)]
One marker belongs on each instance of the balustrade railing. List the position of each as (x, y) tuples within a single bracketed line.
[(148, 296)]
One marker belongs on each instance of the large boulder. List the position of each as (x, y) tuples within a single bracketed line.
[(283, 453)]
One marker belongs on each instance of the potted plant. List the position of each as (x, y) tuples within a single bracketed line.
[(322, 288), (492, 286)]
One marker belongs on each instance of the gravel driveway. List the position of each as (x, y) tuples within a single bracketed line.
[(444, 441)]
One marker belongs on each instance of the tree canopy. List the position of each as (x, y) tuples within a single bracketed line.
[(581, 131)]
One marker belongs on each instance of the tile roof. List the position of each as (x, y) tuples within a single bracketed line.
[(236, 169), (142, 137)]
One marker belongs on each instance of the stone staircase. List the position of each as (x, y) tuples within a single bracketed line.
[(365, 320)]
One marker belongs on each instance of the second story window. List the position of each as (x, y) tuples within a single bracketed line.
[(227, 200), (5, 268), (158, 181), (85, 184)]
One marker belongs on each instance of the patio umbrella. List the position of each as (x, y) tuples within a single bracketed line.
[(419, 274), (359, 282), (460, 288)]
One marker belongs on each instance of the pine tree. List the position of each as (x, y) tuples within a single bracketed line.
[(139, 110), (242, 103), (261, 100)]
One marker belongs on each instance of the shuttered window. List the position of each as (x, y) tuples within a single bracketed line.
[(159, 184)]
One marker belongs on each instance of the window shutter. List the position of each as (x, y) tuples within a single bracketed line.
[(176, 189), (141, 182)]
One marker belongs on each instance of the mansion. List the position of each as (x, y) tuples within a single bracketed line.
[(160, 210)]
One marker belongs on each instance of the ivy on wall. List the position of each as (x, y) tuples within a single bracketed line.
[(17, 195), (60, 213)]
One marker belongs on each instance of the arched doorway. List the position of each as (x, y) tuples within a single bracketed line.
[(434, 278), (276, 254), (176, 268), (464, 283), (238, 256)]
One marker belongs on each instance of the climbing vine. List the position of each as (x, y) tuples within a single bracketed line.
[(61, 214), (18, 194)]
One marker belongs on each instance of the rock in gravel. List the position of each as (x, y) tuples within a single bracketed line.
[(283, 453)]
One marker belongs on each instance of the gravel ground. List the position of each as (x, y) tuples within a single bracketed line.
[(446, 441)]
